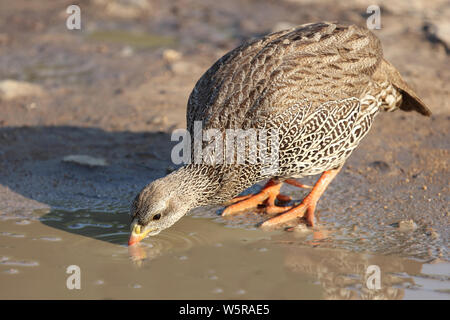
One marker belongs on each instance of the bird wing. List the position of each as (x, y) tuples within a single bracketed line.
[(317, 63)]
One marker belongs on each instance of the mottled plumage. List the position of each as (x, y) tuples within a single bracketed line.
[(321, 85)]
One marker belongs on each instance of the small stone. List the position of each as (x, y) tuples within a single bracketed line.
[(11, 89), (407, 225), (31, 106), (432, 233), (171, 55), (86, 160), (126, 52)]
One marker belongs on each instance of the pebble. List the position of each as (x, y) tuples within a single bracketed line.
[(85, 160), (126, 52), (432, 233), (171, 55), (11, 89), (407, 225)]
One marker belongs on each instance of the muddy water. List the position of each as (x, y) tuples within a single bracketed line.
[(200, 257), (106, 90)]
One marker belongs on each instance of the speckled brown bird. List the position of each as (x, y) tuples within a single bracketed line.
[(319, 85)]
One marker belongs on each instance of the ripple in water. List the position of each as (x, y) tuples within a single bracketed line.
[(106, 226), (7, 262), (11, 271), (165, 242), (80, 225), (12, 235), (50, 238)]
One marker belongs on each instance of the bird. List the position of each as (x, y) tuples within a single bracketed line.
[(316, 88)]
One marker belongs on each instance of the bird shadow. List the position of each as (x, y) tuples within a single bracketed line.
[(87, 198), (93, 200)]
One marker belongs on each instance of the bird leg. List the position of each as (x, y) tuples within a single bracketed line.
[(267, 196), (307, 207)]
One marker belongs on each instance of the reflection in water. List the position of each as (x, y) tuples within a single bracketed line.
[(344, 275), (298, 255)]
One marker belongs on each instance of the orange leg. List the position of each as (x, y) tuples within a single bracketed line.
[(266, 196), (308, 205)]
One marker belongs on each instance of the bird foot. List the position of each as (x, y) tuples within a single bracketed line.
[(308, 206), (266, 197), (304, 210)]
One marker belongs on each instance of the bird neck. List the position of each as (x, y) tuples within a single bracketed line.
[(196, 184)]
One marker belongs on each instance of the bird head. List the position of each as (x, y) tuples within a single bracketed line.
[(157, 207)]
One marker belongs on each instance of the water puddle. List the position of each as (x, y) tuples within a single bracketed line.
[(201, 256)]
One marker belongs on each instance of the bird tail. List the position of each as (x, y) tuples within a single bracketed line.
[(410, 100)]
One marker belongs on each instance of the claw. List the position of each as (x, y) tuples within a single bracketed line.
[(266, 196)]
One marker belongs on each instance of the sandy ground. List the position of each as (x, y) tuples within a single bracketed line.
[(114, 90)]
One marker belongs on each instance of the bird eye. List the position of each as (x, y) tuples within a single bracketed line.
[(157, 216)]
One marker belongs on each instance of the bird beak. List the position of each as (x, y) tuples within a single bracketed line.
[(138, 233)]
